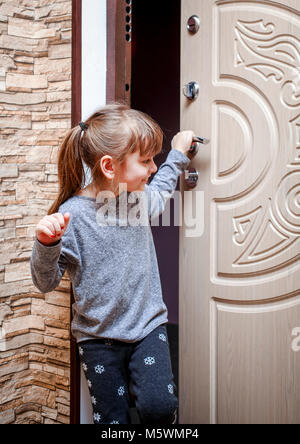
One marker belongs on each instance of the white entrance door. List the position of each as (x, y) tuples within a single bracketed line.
[(239, 307)]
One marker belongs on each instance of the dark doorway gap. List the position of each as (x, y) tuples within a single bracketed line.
[(155, 90)]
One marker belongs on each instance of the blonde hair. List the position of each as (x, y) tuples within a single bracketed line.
[(115, 130)]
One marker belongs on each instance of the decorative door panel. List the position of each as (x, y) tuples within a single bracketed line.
[(240, 281)]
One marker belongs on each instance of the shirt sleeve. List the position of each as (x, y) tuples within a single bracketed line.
[(163, 184), (48, 263)]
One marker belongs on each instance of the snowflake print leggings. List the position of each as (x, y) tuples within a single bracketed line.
[(110, 364)]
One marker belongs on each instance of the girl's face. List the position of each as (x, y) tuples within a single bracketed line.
[(136, 170)]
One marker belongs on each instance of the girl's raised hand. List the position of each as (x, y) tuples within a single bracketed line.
[(51, 228), (183, 141)]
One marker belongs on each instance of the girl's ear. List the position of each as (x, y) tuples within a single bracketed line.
[(106, 166)]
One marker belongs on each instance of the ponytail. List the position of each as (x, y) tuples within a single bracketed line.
[(71, 171)]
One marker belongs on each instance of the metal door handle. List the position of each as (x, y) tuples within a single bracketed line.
[(191, 177), (191, 90), (193, 24), (196, 144)]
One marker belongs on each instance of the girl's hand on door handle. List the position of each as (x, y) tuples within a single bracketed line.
[(182, 142)]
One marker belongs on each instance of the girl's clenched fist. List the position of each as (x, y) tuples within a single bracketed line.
[(51, 228)]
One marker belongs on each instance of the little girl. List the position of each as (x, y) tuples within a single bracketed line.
[(119, 317)]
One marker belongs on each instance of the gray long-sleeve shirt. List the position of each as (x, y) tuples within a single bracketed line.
[(112, 265)]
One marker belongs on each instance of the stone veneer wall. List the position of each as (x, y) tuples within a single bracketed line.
[(35, 113)]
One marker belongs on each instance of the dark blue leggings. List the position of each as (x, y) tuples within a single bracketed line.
[(109, 365)]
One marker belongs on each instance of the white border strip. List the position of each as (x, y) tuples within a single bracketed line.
[(94, 65)]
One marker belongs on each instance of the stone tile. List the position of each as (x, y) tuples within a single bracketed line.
[(23, 98), (13, 367), (23, 323), (20, 341), (60, 51), (17, 272), (40, 307), (7, 416), (24, 28), (31, 81), (8, 170), (26, 45), (46, 66)]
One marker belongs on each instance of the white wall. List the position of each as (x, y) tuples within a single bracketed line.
[(93, 55), (93, 96)]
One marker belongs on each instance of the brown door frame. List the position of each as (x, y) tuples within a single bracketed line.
[(118, 88)]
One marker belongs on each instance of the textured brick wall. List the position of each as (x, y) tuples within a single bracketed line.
[(35, 112)]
